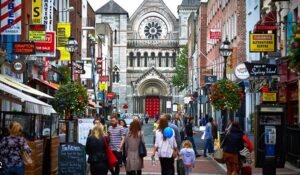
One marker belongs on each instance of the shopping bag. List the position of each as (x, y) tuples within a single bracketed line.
[(218, 155), (112, 159), (180, 167)]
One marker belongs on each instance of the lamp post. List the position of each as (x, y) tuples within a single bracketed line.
[(71, 47), (225, 51)]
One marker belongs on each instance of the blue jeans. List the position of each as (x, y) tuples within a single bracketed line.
[(15, 170), (209, 146), (191, 139)]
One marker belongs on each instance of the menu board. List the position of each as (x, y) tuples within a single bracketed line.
[(72, 159)]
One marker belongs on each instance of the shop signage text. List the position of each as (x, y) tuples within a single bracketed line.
[(24, 48), (256, 69), (215, 34), (210, 79), (241, 72), (262, 43), (269, 97), (37, 32)]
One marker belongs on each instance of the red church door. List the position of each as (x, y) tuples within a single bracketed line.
[(152, 105)]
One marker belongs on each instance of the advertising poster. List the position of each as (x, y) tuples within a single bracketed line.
[(11, 17), (262, 43), (37, 32), (36, 11), (46, 48), (62, 35), (84, 127)]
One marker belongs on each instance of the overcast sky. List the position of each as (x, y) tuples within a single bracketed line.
[(131, 5)]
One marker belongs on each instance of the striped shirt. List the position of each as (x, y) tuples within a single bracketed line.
[(115, 136)]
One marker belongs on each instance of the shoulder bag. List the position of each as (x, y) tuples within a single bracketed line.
[(219, 154), (26, 158), (142, 148), (112, 159)]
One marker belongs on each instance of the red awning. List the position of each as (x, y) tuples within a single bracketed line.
[(47, 83), (255, 26), (270, 18)]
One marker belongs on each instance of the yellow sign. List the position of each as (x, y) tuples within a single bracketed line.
[(297, 36), (269, 96), (36, 11), (262, 43), (62, 35), (103, 87), (271, 109)]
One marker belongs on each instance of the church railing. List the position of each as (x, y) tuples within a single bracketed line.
[(159, 43)]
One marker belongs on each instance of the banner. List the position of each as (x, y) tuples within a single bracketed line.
[(37, 32), (102, 86), (11, 17), (232, 61), (62, 35), (47, 18), (215, 34), (262, 43), (36, 11), (46, 48)]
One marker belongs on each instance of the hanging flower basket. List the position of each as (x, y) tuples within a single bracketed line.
[(294, 51), (225, 94)]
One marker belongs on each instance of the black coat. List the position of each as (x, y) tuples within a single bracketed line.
[(233, 142), (95, 148)]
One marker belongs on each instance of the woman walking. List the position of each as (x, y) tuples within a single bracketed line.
[(166, 146), (134, 163), (95, 148), (11, 150), (233, 143), (123, 123)]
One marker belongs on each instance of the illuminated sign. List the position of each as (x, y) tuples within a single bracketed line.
[(24, 48), (262, 43)]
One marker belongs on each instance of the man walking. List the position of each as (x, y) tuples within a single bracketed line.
[(208, 137), (180, 125), (116, 137), (190, 134)]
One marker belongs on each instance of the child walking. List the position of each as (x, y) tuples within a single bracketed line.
[(188, 156)]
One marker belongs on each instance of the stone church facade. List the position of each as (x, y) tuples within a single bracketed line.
[(145, 49)]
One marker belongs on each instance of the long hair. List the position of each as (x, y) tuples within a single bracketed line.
[(134, 128), (163, 123), (15, 129), (99, 128), (125, 124)]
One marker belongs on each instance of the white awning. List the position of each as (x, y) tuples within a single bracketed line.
[(32, 105), (9, 81)]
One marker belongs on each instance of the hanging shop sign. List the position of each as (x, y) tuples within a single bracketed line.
[(47, 15), (262, 43), (110, 95), (10, 17), (125, 106), (62, 35), (46, 48), (269, 97), (104, 78), (100, 65), (24, 48), (102, 86), (18, 66), (206, 71), (210, 79), (78, 68), (37, 32), (241, 72), (215, 34), (256, 69), (36, 11), (265, 27)]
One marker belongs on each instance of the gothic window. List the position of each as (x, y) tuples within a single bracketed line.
[(138, 55), (159, 59), (152, 59), (145, 59), (153, 28), (116, 74), (167, 59), (130, 59), (174, 59)]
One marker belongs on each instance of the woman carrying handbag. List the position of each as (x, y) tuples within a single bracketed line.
[(134, 138), (12, 148)]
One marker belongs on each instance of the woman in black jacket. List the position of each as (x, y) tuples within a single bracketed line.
[(233, 143), (95, 148)]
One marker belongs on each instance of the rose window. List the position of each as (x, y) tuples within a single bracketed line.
[(153, 30)]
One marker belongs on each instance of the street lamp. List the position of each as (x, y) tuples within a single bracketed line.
[(225, 51), (71, 47)]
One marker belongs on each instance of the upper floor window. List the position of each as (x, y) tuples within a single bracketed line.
[(174, 59), (131, 59), (159, 59), (145, 59), (167, 59), (116, 74), (138, 55)]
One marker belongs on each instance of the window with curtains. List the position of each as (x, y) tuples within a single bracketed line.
[(138, 56)]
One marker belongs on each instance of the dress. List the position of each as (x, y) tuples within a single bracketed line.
[(133, 161)]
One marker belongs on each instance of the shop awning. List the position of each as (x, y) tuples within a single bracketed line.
[(32, 105), (270, 18), (9, 81), (47, 83)]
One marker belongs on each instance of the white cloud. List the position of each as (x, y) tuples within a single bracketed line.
[(131, 5)]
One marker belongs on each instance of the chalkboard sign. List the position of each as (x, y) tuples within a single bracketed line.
[(72, 159)]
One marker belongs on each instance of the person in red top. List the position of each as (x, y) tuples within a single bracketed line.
[(246, 157)]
